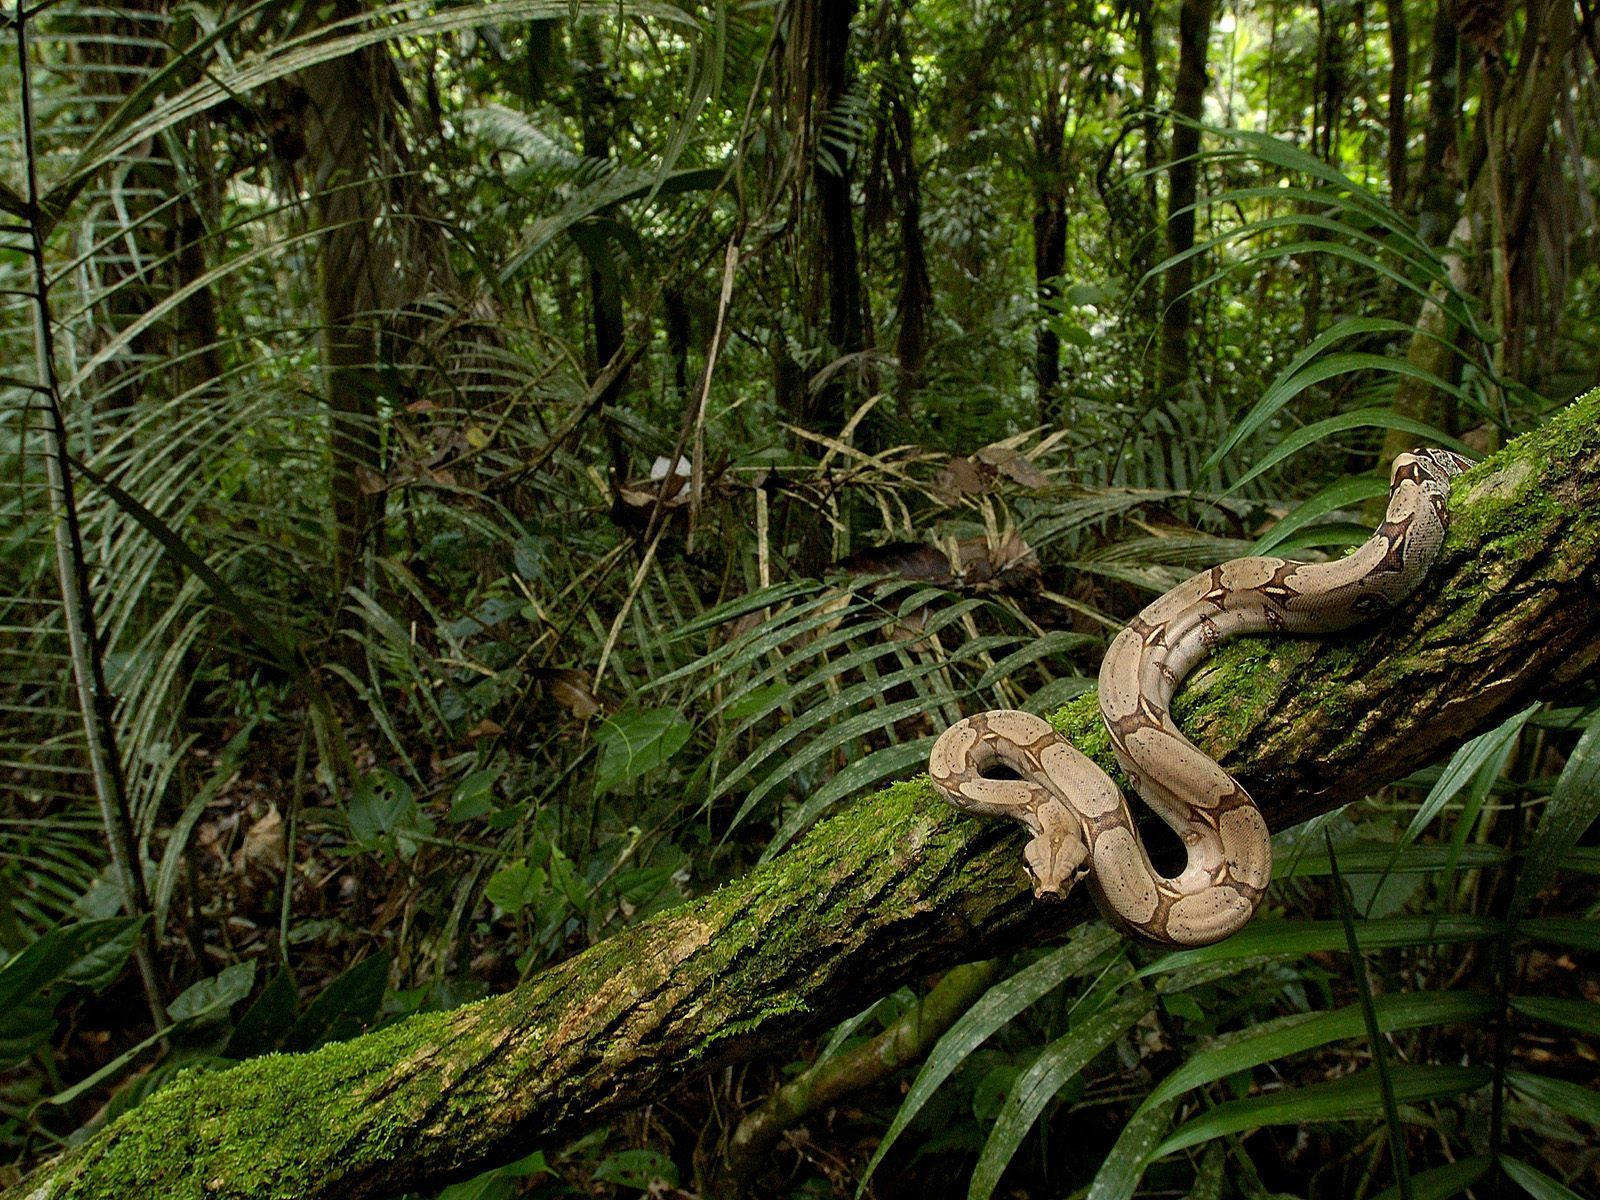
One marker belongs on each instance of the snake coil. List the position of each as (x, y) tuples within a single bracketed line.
[(1080, 823)]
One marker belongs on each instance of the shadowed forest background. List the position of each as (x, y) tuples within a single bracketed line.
[(479, 475)]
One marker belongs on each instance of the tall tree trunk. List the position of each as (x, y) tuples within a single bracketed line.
[(596, 105), (1189, 90), (832, 176), (1399, 85), (1498, 205), (1049, 242), (815, 83), (915, 299), (1439, 192), (347, 106), (896, 886)]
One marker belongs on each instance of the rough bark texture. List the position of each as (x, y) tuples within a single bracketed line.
[(895, 886), (1529, 100), (1049, 240), (1188, 98)]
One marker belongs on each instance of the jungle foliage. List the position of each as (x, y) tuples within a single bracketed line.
[(478, 475)]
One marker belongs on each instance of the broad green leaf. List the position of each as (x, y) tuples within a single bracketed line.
[(344, 1007), (1357, 1095), (999, 1005), (1573, 807), (1345, 493), (1299, 1032), (635, 741), (638, 1169), (1057, 1063), (1582, 1015), (1361, 418), (473, 797), (87, 954), (1440, 1183), (1285, 939), (1122, 1169), (512, 888), (379, 804), (214, 996), (266, 1022), (1573, 1099), (1535, 1182)]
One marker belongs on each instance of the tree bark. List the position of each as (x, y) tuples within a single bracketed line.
[(895, 886), (1399, 84), (1528, 105), (1188, 95), (1049, 240), (1439, 182)]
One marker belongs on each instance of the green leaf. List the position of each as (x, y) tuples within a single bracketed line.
[(512, 888), (1573, 1099), (266, 1022), (172, 856), (214, 996), (1580, 933), (380, 802), (1057, 1064), (1582, 1015), (1345, 493), (1286, 386), (1120, 1171), (637, 1169), (635, 741), (1441, 1183), (1287, 939), (87, 954), (1535, 1182), (863, 772), (999, 1005), (474, 796), (500, 1183), (753, 701), (1357, 1095), (344, 1007), (1376, 1046), (1464, 764), (1361, 418), (1299, 1032), (1573, 807), (1381, 858)]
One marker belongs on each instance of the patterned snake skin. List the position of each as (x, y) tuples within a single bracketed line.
[(1079, 821)]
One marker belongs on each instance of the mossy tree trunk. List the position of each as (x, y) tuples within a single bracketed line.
[(895, 886)]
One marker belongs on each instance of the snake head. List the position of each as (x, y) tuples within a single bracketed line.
[(1056, 859)]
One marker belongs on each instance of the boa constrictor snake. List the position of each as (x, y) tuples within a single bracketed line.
[(1079, 821)]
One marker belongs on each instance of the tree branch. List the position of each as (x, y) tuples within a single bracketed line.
[(894, 886)]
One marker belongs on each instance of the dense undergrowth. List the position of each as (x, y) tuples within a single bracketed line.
[(514, 496)]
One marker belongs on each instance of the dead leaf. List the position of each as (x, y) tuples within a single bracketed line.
[(962, 477), (570, 689), (908, 560), (1013, 465), (485, 728), (262, 849)]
